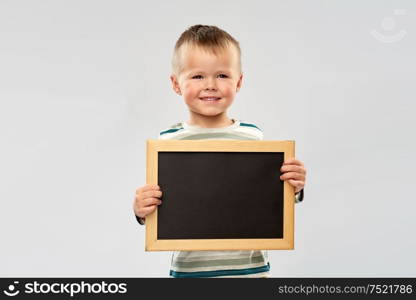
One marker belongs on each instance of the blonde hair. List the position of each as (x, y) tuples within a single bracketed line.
[(209, 38)]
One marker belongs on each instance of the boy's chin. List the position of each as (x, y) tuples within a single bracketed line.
[(209, 113)]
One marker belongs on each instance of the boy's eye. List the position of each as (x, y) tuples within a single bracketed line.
[(200, 76)]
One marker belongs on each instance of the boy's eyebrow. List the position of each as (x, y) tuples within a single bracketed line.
[(203, 72)]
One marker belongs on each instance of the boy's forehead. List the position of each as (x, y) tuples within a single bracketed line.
[(193, 57)]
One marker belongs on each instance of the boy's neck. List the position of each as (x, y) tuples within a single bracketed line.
[(221, 120)]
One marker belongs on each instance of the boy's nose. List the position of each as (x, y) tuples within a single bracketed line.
[(210, 88), (210, 85)]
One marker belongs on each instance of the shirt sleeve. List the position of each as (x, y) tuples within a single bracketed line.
[(299, 196), (140, 220)]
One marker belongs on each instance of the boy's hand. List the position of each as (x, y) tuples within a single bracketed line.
[(294, 171), (147, 199)]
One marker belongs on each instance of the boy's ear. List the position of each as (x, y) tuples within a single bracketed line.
[(175, 84), (240, 82)]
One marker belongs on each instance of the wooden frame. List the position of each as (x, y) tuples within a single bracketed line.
[(155, 244)]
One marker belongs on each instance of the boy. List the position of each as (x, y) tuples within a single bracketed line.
[(207, 74)]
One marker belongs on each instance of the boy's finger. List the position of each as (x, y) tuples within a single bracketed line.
[(148, 187), (147, 210), (152, 194), (293, 168), (151, 201), (296, 183), (292, 175), (288, 161), (293, 161)]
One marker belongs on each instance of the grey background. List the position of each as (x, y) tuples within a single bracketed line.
[(83, 84)]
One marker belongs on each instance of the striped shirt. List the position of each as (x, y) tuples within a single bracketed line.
[(245, 263)]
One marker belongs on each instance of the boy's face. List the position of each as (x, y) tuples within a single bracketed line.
[(208, 82)]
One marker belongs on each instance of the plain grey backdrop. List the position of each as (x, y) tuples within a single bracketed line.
[(83, 84)]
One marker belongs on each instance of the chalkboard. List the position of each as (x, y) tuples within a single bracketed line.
[(219, 195)]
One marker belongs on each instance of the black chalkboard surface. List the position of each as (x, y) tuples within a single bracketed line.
[(220, 195), (224, 195)]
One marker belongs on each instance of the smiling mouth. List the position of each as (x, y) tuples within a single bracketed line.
[(209, 98)]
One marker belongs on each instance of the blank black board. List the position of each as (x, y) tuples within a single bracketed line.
[(220, 195)]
